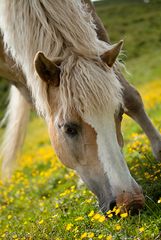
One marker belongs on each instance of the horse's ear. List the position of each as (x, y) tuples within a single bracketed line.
[(110, 56), (47, 70)]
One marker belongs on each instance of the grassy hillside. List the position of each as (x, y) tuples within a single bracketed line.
[(139, 25), (44, 200)]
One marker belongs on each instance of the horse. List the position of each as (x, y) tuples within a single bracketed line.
[(59, 60)]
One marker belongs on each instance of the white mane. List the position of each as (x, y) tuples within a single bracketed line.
[(60, 28)]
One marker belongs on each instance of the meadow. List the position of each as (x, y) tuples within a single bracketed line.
[(44, 200)]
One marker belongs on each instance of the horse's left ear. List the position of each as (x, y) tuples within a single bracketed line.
[(47, 70), (110, 56)]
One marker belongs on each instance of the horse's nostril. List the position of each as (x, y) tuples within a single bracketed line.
[(134, 211), (135, 208), (112, 204)]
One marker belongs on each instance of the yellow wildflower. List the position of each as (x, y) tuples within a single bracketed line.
[(41, 221), (102, 219), (100, 236), (84, 235), (117, 211), (114, 209), (56, 205), (118, 227), (41, 204), (159, 201), (9, 217), (72, 189), (96, 216), (88, 200), (141, 229), (91, 214), (124, 215), (69, 226), (109, 237), (79, 219), (14, 236), (90, 234), (109, 212)]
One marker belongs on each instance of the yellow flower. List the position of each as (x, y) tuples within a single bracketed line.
[(91, 214), (69, 226), (14, 236), (141, 229), (118, 227), (114, 209), (90, 234), (109, 237), (102, 219), (9, 217), (89, 200), (124, 215), (110, 215), (100, 236), (84, 235), (41, 221), (117, 211), (72, 188), (41, 204), (79, 218), (56, 205), (109, 212), (96, 216), (159, 201)]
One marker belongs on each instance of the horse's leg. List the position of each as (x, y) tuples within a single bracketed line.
[(17, 115), (132, 99), (134, 108)]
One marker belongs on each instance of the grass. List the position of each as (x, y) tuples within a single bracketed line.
[(137, 24), (44, 200)]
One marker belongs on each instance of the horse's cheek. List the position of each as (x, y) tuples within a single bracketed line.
[(60, 148)]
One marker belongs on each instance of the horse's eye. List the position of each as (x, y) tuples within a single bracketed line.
[(71, 129)]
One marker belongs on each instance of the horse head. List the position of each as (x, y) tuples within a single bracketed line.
[(84, 98)]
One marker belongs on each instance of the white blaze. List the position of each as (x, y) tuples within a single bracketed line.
[(109, 153)]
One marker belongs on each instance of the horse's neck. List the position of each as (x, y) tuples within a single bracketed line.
[(8, 69)]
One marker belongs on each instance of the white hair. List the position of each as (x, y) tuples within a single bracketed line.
[(60, 28)]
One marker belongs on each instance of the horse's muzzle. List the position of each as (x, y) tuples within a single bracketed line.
[(130, 202)]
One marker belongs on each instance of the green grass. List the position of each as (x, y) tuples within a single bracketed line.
[(41, 201), (44, 197), (137, 24)]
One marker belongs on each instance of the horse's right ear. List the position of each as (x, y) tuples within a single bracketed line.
[(47, 70), (109, 57)]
